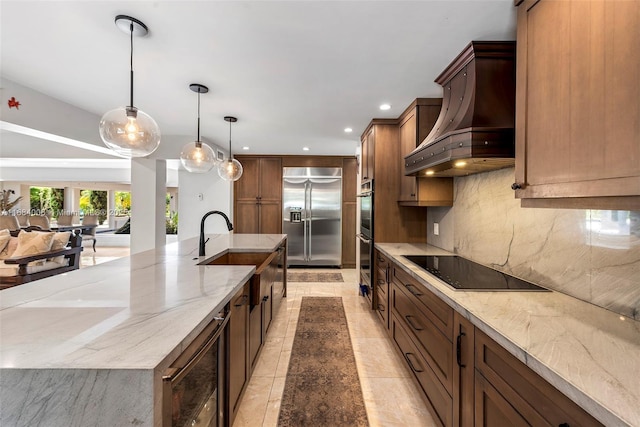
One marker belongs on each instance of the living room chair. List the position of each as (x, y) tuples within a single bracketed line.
[(40, 221), (65, 219), (9, 222), (90, 234), (23, 220)]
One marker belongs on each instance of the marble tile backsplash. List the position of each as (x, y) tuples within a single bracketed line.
[(593, 255)]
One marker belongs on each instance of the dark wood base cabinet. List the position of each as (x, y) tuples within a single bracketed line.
[(381, 280), (439, 401), (250, 313), (238, 333), (467, 378), (506, 389)]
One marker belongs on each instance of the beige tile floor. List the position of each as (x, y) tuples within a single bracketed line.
[(391, 397), (90, 258)]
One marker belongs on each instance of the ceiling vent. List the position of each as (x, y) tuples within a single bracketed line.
[(475, 130)]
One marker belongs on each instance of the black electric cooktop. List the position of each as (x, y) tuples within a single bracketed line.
[(461, 273)]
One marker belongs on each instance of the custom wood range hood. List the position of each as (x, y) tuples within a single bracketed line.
[(475, 130)]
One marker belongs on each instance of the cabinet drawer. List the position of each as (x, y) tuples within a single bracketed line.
[(435, 347), (381, 281), (382, 308), (527, 392), (381, 261), (382, 298), (436, 310), (441, 403)]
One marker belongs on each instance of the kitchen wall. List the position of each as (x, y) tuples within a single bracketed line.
[(199, 194), (589, 254)]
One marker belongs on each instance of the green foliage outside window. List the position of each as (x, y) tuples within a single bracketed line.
[(46, 199), (123, 203), (94, 202)]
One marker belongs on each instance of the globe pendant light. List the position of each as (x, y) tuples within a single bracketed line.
[(197, 157), (128, 131), (230, 169)]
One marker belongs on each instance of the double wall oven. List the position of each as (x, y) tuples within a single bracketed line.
[(365, 237)]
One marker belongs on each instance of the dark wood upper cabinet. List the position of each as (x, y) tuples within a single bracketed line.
[(368, 154), (258, 196), (577, 112), (381, 157), (415, 124)]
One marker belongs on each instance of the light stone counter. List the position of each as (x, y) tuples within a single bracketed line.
[(590, 354), (85, 348)]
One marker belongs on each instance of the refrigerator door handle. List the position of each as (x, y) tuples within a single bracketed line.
[(304, 225), (310, 217)]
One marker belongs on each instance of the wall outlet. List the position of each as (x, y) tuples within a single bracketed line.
[(200, 196), (436, 229)]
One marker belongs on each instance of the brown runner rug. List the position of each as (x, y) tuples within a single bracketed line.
[(314, 277), (322, 386)]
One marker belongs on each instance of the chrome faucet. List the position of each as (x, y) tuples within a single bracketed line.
[(202, 241)]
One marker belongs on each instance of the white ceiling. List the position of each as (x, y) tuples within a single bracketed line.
[(295, 73)]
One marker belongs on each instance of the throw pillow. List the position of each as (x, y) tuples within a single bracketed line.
[(9, 249), (33, 243), (60, 241), (5, 236)]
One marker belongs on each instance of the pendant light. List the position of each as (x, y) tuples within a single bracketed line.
[(230, 169), (126, 130), (197, 157)]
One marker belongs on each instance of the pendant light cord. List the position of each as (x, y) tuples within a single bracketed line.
[(229, 140), (198, 140), (131, 63)]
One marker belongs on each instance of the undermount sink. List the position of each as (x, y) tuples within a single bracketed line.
[(238, 258), (263, 276)]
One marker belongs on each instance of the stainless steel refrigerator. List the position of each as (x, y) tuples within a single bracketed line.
[(312, 216)]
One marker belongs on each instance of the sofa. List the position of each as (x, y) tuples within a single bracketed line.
[(28, 255)]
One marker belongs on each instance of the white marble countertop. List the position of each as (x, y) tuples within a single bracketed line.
[(590, 354), (137, 312)]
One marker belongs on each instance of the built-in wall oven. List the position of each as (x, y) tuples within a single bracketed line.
[(365, 238), (193, 386)]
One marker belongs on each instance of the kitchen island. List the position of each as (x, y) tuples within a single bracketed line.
[(590, 354), (88, 347)]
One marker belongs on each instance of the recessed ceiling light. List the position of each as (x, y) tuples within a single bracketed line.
[(348, 130), (385, 107), (305, 148), (245, 148)]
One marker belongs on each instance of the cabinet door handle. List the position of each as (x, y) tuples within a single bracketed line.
[(410, 287), (380, 307), (516, 186), (459, 348), (243, 300), (411, 323), (381, 282), (413, 368), (265, 298)]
